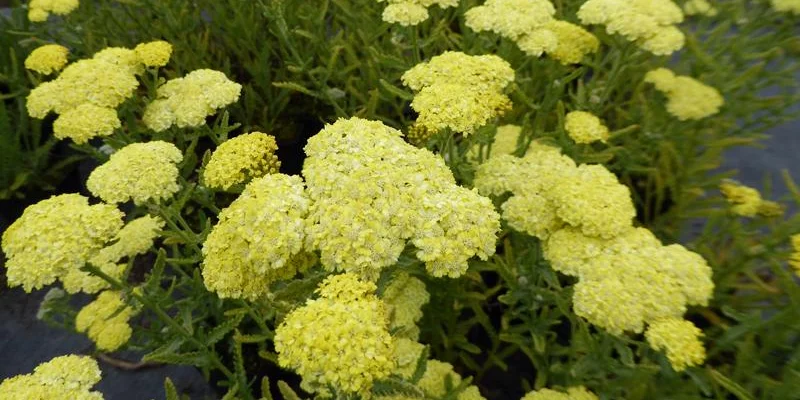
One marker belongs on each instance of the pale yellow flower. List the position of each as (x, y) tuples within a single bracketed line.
[(241, 159), (105, 321), (154, 54), (47, 59), (680, 339), (140, 172), (65, 377)]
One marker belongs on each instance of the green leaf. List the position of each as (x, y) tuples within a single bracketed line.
[(219, 331), (393, 387), (296, 87), (265, 393), (169, 388), (287, 392), (195, 358), (396, 90), (729, 385)]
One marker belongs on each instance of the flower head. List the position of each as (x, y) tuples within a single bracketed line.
[(787, 6), (64, 377), (95, 81), (341, 341), (700, 7), (584, 127), (140, 172), (241, 159), (123, 58), (105, 321), (405, 296), (47, 59), (573, 393), (39, 10), (459, 91), (411, 12), (687, 98), (745, 201), (680, 339), (85, 122), (154, 54), (56, 236), (187, 101), (650, 23), (258, 239), (372, 192)]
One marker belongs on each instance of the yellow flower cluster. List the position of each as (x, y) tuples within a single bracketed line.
[(458, 91), (65, 377), (405, 296), (549, 190), (627, 278), (700, 7), (584, 127), (258, 238), (47, 59), (39, 10), (372, 192), (411, 12), (134, 238), (85, 122), (680, 339), (187, 101), (794, 259), (687, 98), (55, 237), (747, 202), (625, 287), (105, 320), (531, 25), (85, 96), (238, 160), (342, 341), (154, 54), (140, 172), (649, 23), (573, 393), (790, 6)]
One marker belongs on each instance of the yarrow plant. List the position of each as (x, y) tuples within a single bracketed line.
[(411, 199)]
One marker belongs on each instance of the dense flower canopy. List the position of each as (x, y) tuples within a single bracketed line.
[(65, 377)]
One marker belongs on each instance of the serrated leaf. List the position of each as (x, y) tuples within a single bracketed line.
[(238, 337), (393, 387), (295, 87), (265, 393), (422, 365), (192, 358), (219, 331), (287, 392), (729, 385), (171, 392)]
